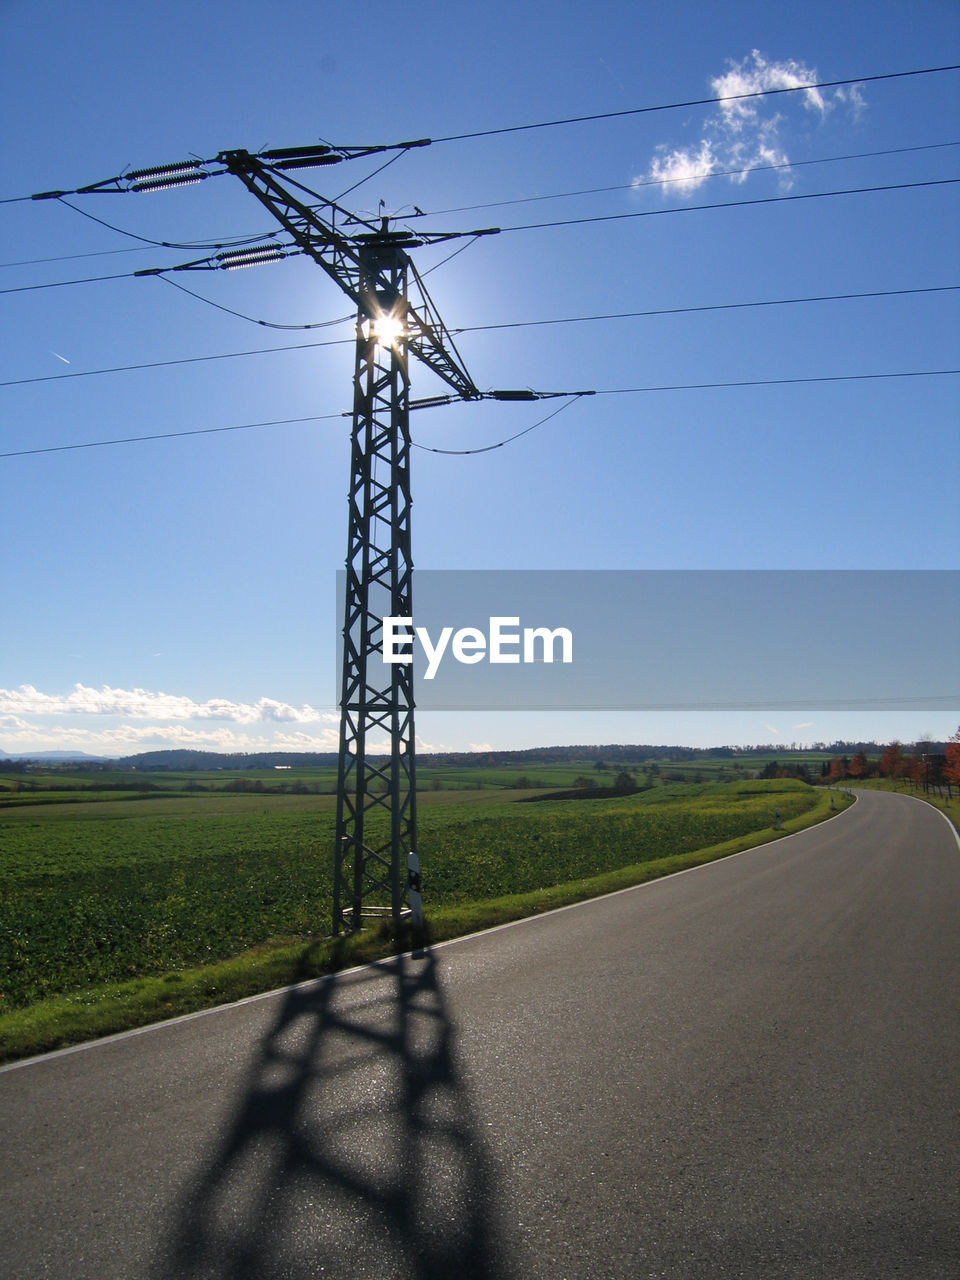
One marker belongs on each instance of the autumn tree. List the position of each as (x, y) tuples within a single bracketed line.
[(892, 761), (952, 768), (859, 765), (922, 764)]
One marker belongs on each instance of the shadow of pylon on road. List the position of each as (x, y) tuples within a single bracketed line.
[(354, 1150)]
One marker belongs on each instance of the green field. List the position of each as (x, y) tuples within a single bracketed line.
[(104, 889)]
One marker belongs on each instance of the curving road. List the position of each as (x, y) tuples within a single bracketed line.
[(749, 1070)]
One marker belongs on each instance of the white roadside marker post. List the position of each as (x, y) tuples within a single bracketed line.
[(413, 881)]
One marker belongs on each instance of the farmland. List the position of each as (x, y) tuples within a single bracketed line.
[(101, 886)]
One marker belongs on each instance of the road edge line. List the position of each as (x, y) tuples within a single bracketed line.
[(919, 799)]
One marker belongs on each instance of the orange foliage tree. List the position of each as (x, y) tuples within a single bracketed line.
[(859, 765), (952, 768), (892, 762)]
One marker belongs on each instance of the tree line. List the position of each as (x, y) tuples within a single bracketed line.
[(922, 765)]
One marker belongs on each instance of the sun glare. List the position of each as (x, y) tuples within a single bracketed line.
[(388, 330)]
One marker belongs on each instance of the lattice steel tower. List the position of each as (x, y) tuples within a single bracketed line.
[(376, 795)]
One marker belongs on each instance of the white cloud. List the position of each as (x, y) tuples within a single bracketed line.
[(432, 747), (852, 95), (143, 704), (128, 739), (11, 724), (683, 169), (109, 721), (745, 133), (761, 76)]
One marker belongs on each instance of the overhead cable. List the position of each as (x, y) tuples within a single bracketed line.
[(164, 364), (267, 324), (216, 242), (167, 435), (695, 102), (574, 395), (167, 175), (63, 284), (779, 382), (692, 386), (639, 183), (717, 306), (480, 328), (439, 237), (730, 204), (230, 242)]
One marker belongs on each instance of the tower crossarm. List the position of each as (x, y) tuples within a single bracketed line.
[(350, 257)]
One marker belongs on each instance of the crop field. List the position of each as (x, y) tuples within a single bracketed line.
[(106, 889)]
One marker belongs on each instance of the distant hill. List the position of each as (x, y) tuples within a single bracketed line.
[(55, 757), (609, 754), (183, 759)]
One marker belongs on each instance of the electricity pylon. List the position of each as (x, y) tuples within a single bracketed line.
[(376, 797), (376, 826)]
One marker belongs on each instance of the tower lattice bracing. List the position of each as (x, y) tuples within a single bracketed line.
[(376, 787)]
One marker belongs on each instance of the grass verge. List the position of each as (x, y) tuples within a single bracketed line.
[(87, 1015)]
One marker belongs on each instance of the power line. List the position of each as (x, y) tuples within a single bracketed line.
[(369, 177), (72, 257), (167, 435), (694, 386), (718, 306), (574, 395), (166, 244), (574, 222), (780, 382), (449, 258), (480, 328), (570, 120), (214, 242), (164, 364), (694, 102), (268, 324), (667, 182), (730, 204), (62, 284)]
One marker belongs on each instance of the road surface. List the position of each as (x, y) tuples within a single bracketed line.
[(748, 1070)]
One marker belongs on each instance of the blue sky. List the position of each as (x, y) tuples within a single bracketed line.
[(181, 591)]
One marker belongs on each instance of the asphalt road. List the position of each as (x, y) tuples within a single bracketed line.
[(749, 1070)]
